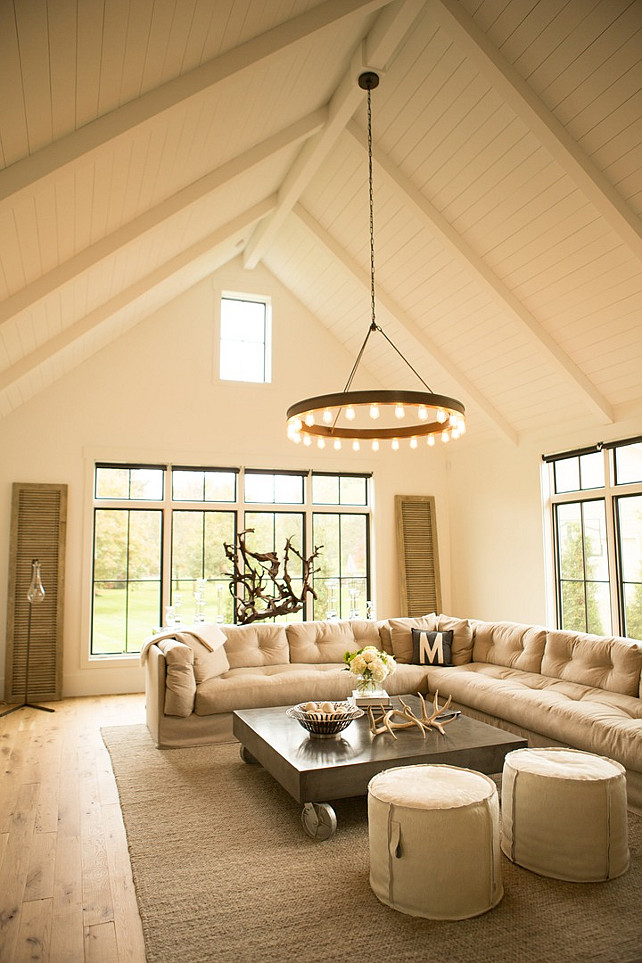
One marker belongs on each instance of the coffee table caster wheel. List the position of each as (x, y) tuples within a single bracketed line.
[(247, 757), (319, 820)]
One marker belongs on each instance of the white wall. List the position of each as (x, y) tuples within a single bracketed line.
[(501, 556), (152, 396)]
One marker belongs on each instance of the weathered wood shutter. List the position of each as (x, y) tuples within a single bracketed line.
[(38, 529), (418, 556)]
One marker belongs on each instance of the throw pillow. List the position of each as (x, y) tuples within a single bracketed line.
[(401, 636), (431, 648)]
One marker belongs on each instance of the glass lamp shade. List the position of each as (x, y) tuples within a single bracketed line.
[(36, 591)]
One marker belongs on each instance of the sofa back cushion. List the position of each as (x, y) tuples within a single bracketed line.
[(510, 644), (608, 663), (317, 642), (263, 643), (401, 636)]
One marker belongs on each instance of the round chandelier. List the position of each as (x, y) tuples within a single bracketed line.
[(375, 417)]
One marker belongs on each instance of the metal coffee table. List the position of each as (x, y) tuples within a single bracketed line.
[(314, 771)]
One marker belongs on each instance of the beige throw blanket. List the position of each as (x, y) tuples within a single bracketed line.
[(209, 634)]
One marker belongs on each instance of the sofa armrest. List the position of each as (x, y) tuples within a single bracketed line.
[(155, 675)]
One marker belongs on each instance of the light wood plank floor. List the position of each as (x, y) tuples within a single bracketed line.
[(66, 891)]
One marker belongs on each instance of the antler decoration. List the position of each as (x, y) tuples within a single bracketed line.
[(257, 591), (384, 722)]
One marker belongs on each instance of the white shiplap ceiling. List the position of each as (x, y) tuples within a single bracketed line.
[(144, 143)]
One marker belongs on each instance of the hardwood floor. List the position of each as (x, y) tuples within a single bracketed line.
[(66, 891)]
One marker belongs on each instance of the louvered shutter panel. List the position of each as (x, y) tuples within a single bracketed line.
[(419, 583), (38, 529)]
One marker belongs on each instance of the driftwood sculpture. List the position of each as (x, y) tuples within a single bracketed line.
[(384, 722), (255, 585)]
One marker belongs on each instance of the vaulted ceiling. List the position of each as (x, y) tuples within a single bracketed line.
[(145, 143)]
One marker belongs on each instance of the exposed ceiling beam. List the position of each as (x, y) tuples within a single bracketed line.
[(22, 175), (200, 260), (549, 131), (406, 322), (45, 285), (378, 49), (483, 274)]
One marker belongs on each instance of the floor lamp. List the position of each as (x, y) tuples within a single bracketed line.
[(35, 595)]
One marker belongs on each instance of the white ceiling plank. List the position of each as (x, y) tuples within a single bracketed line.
[(61, 18), (195, 192), (204, 248), (378, 49), (96, 132), (406, 323), (551, 133), (31, 21), (89, 20), (487, 277)]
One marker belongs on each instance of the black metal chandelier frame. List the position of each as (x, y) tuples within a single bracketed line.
[(424, 413)]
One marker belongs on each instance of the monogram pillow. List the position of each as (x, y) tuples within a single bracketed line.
[(431, 648)]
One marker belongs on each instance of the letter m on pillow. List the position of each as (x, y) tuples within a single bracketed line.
[(432, 648)]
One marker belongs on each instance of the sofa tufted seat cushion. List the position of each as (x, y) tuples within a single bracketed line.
[(607, 723), (281, 685)]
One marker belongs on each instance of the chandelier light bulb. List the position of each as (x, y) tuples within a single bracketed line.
[(400, 411), (431, 441), (307, 441), (441, 416), (350, 413), (375, 445), (309, 419), (355, 445), (445, 436), (321, 443), (327, 416), (374, 411), (422, 413), (337, 444), (413, 442), (395, 444)]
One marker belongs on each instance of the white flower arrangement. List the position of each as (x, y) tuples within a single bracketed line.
[(371, 665)]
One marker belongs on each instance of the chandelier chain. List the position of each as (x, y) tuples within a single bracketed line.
[(371, 203)]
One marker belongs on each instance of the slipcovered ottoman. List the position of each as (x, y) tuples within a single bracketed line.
[(434, 841), (564, 814)]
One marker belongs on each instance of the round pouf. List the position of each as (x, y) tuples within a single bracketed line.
[(434, 841), (564, 814)]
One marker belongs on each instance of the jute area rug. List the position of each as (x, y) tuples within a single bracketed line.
[(224, 872)]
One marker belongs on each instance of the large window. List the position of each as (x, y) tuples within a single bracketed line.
[(245, 345), (596, 499), (160, 532)]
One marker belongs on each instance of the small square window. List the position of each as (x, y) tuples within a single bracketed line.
[(245, 345)]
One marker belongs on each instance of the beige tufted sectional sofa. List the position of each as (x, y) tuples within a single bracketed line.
[(556, 688)]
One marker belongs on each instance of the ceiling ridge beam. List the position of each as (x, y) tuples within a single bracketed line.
[(202, 249), (406, 322), (552, 134), (374, 52), (484, 274), (85, 260), (23, 174)]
